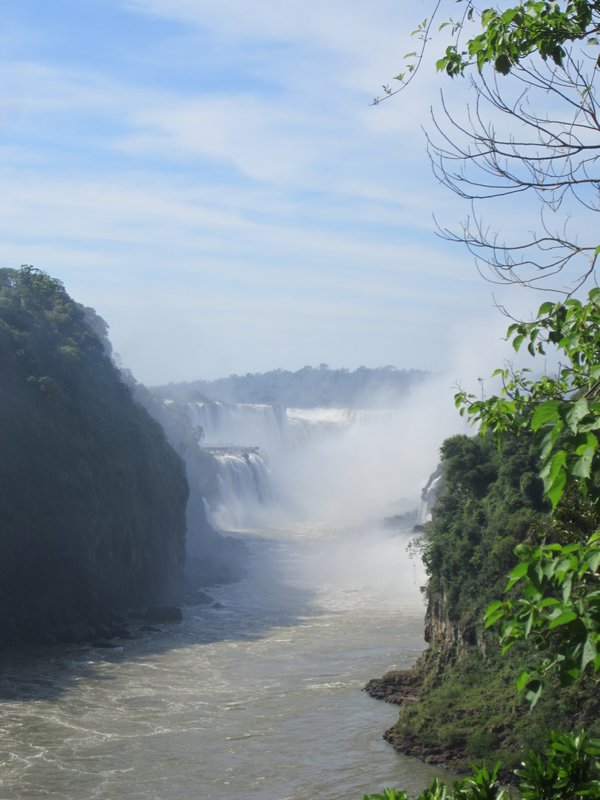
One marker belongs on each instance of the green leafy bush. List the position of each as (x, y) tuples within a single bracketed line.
[(567, 769)]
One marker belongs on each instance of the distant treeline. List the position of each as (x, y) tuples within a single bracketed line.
[(308, 387)]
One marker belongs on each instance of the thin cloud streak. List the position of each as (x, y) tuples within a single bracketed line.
[(212, 179)]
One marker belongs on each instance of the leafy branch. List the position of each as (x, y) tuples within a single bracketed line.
[(413, 59), (562, 410), (533, 26), (559, 602)]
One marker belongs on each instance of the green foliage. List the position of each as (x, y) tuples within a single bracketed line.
[(387, 794), (508, 36), (563, 409), (469, 708), (558, 607), (491, 520), (567, 769), (481, 785), (511, 34), (491, 500), (554, 590), (559, 602)]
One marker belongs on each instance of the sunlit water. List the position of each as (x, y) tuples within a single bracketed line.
[(260, 699)]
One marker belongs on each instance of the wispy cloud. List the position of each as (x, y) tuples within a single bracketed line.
[(211, 177)]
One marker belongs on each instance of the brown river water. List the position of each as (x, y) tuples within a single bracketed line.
[(259, 699)]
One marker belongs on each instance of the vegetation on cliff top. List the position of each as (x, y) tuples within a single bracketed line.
[(557, 582), (497, 517), (491, 499), (305, 388), (92, 498), (469, 706)]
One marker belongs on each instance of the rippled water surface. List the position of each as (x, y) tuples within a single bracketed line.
[(259, 699)]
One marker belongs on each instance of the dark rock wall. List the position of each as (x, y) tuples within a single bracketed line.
[(92, 497)]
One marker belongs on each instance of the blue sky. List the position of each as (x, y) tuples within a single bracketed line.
[(211, 178)]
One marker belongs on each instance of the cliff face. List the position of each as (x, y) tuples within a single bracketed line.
[(92, 498), (459, 703), (211, 557), (444, 633), (491, 502)]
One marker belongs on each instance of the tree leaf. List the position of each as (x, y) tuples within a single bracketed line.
[(582, 467), (557, 488), (545, 308), (568, 615), (522, 680), (589, 652), (516, 574), (544, 413), (534, 692), (577, 412)]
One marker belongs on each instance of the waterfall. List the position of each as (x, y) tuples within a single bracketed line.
[(243, 439), (306, 425), (264, 464), (240, 424), (245, 488), (429, 495)]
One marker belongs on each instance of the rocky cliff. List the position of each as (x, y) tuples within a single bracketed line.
[(459, 703), (92, 498)]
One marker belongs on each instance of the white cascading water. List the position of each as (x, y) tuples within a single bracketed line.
[(245, 439), (245, 485), (329, 465), (429, 495), (240, 424)]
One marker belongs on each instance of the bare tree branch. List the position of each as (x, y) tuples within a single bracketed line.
[(552, 155)]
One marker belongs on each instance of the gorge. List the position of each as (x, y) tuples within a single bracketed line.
[(297, 587), (258, 687)]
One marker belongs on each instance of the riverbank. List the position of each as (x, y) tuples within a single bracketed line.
[(403, 687), (230, 701), (470, 711)]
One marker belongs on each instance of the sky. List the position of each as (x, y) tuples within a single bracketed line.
[(212, 178)]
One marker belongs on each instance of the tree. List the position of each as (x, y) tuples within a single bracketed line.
[(92, 498), (559, 601), (534, 129), (508, 148), (536, 134), (550, 52), (551, 151), (510, 35)]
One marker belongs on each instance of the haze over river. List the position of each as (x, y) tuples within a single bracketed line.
[(259, 699)]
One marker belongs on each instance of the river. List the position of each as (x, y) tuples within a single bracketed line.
[(258, 699)]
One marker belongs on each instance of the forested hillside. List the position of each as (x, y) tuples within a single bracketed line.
[(92, 498), (308, 387), (469, 707)]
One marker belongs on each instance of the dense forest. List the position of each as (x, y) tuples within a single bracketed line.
[(308, 387), (469, 707), (92, 497)]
